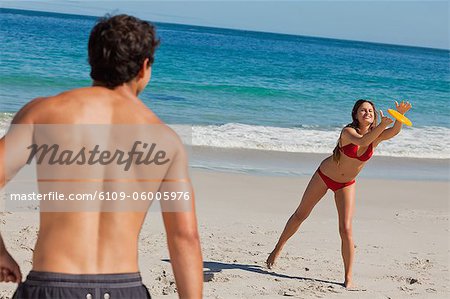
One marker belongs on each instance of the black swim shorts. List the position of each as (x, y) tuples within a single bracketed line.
[(48, 285)]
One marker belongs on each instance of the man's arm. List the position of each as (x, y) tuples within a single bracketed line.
[(18, 138), (9, 269), (180, 222), (2, 163)]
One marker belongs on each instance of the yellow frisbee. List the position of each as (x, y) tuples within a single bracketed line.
[(400, 117)]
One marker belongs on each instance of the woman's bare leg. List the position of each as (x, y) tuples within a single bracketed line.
[(315, 190), (345, 203)]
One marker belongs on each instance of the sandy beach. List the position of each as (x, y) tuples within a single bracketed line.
[(259, 92), (401, 233)]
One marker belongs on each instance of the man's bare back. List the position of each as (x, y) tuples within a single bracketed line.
[(87, 242)]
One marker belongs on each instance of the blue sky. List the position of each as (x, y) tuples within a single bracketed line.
[(416, 23)]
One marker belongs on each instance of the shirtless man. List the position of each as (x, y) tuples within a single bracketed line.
[(95, 253)]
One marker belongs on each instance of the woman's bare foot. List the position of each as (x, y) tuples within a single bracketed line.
[(272, 257), (348, 284)]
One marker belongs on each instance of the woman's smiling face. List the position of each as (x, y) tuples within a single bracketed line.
[(365, 113)]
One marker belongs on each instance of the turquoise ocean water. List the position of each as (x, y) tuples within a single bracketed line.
[(241, 89)]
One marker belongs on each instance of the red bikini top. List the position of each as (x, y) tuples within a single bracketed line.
[(351, 151)]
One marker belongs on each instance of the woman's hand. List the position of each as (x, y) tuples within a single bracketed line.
[(385, 121), (403, 107)]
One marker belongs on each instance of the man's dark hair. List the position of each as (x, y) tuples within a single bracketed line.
[(118, 46)]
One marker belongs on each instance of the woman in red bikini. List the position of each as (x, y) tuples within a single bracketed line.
[(338, 172)]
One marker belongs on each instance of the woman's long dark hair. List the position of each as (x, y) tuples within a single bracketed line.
[(355, 125)]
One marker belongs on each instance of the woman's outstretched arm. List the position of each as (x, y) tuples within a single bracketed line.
[(351, 135), (403, 107)]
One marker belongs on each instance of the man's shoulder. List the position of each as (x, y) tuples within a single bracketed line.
[(146, 116), (45, 102), (170, 136), (28, 112)]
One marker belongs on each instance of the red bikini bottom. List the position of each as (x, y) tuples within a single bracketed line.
[(333, 185)]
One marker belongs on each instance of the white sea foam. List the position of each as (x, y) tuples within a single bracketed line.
[(5, 120), (425, 142)]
